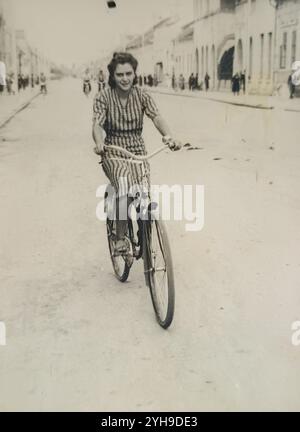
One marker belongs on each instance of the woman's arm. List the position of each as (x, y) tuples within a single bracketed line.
[(99, 118), (163, 128), (152, 112), (98, 138)]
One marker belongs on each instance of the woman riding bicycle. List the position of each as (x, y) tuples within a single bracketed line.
[(119, 111)]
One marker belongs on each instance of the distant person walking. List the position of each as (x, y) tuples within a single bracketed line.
[(206, 80), (181, 82), (191, 81), (2, 76), (196, 84), (291, 86), (235, 84), (173, 81), (43, 81), (10, 84), (150, 80), (101, 81), (243, 81)]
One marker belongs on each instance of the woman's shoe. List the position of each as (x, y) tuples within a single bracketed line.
[(121, 247)]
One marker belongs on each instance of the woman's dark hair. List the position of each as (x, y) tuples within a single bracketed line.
[(121, 58)]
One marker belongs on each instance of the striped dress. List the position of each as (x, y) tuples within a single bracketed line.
[(123, 126)]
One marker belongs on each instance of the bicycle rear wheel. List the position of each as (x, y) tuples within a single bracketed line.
[(120, 265), (159, 273)]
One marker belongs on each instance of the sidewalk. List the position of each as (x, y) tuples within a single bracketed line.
[(10, 105), (250, 101)]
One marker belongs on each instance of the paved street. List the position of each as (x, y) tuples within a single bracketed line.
[(79, 340)]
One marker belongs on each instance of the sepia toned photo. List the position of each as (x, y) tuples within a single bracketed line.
[(150, 208)]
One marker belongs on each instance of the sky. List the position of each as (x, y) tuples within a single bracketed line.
[(77, 31)]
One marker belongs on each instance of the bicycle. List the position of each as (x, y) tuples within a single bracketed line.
[(146, 239), (87, 88)]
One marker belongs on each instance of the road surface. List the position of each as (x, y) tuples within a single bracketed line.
[(77, 340)]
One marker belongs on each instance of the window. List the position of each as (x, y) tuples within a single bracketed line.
[(294, 46), (262, 49), (283, 47)]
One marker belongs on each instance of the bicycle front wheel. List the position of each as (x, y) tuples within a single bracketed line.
[(159, 273), (120, 266)]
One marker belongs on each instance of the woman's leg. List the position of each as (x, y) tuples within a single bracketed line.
[(122, 223)]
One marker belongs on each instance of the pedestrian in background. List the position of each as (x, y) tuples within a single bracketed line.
[(10, 83), (2, 76), (23, 81), (291, 86), (235, 84), (150, 80), (243, 81), (181, 82), (196, 85), (173, 81), (101, 81), (206, 80), (43, 81), (191, 81)]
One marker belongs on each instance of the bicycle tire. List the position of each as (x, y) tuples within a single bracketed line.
[(157, 228), (121, 268)]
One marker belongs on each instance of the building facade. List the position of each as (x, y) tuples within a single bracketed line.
[(183, 54), (254, 50), (235, 36), (214, 39), (15, 51), (29, 60), (287, 40), (257, 38), (7, 37)]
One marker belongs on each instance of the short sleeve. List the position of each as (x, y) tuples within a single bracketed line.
[(149, 106), (99, 109)]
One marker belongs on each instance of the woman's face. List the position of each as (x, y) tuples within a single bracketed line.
[(124, 76)]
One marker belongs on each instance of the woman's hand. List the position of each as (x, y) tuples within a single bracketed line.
[(99, 150), (173, 145)]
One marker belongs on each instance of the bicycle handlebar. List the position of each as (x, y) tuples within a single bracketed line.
[(132, 155)]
